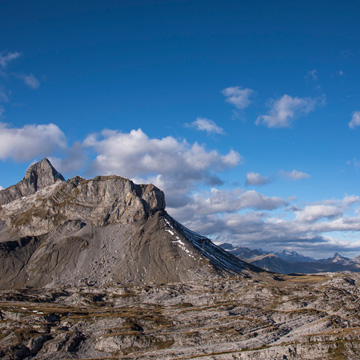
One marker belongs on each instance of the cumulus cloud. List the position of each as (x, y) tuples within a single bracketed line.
[(355, 120), (295, 175), (30, 141), (328, 209), (1, 188), (238, 97), (220, 201), (210, 212), (6, 57), (207, 125), (173, 165), (271, 230), (313, 213), (31, 81), (284, 110), (74, 160), (136, 154), (312, 75), (253, 178)]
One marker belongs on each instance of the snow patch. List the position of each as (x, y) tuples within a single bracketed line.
[(178, 241)]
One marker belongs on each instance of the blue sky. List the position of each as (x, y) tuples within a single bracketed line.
[(246, 113)]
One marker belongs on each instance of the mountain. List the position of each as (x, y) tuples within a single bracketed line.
[(37, 177), (336, 259), (240, 251), (271, 262), (104, 230), (293, 256), (289, 262), (356, 259)]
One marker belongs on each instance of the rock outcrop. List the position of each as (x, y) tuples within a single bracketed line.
[(98, 231), (37, 177), (294, 318)]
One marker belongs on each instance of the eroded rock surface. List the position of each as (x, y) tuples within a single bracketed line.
[(267, 317)]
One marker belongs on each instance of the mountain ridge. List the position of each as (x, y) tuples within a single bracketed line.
[(289, 262)]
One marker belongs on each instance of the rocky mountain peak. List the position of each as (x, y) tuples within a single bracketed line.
[(42, 174), (99, 231), (37, 177), (337, 258)]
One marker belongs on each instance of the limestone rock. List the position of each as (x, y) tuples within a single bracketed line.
[(37, 177)]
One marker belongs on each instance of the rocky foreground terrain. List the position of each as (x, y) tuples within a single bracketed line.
[(96, 269), (258, 317)]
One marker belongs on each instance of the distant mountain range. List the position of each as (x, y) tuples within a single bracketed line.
[(289, 262)]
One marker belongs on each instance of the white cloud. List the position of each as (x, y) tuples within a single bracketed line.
[(1, 188), (283, 111), (350, 200), (1, 111), (73, 162), (136, 154), (226, 201), (340, 73), (6, 57), (31, 81), (295, 175), (313, 213), (355, 120), (217, 216), (213, 203), (30, 141), (207, 125), (237, 96), (312, 75), (253, 178), (326, 209), (175, 166)]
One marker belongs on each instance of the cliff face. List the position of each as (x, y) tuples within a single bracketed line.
[(101, 201), (98, 231)]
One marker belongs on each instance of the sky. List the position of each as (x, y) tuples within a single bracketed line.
[(245, 113)]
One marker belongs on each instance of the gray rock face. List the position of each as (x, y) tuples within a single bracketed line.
[(37, 177), (100, 231)]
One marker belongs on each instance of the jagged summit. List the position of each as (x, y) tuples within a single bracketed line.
[(37, 177), (42, 174), (103, 230)]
